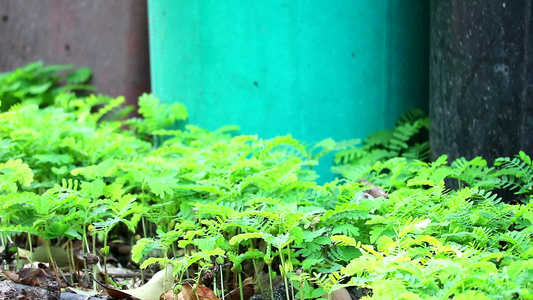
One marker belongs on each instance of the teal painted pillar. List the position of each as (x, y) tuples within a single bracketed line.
[(314, 69)]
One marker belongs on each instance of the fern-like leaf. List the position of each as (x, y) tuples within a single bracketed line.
[(13, 172), (162, 184)]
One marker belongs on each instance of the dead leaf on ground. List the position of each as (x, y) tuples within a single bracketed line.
[(152, 290), (341, 294), (11, 276), (188, 293), (29, 276), (168, 295), (34, 277), (205, 292), (248, 290)]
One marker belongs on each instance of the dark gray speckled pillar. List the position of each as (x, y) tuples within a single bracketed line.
[(481, 78)]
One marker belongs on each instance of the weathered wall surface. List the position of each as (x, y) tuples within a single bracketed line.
[(481, 81), (110, 37)]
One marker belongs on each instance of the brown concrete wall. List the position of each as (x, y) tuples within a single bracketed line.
[(110, 37)]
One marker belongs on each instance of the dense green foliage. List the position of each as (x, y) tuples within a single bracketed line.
[(39, 84), (67, 171), (410, 139)]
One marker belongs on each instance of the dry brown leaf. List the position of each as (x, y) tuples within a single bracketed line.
[(375, 191), (187, 293), (248, 290), (341, 294), (205, 292), (37, 277), (33, 277), (28, 276), (152, 290), (168, 295), (11, 276)]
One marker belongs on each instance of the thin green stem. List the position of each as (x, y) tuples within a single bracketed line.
[(105, 256), (70, 256), (95, 268), (292, 290), (284, 272), (144, 226), (240, 286), (270, 279), (30, 243), (222, 282), (301, 283), (51, 257)]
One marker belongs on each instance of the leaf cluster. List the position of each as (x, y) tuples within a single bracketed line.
[(39, 84), (409, 139), (202, 200)]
